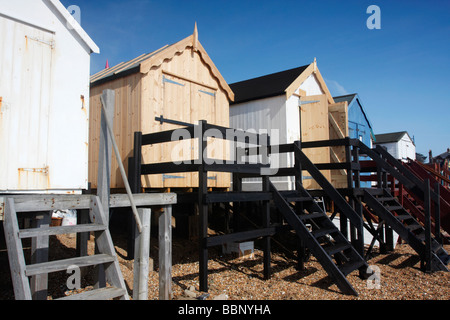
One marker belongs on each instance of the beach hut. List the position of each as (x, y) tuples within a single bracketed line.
[(358, 126), (179, 82), (44, 98), (398, 144), (290, 106)]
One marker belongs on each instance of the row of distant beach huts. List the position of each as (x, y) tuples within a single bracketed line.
[(50, 107)]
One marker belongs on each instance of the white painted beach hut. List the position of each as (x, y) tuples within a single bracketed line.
[(44, 98), (292, 105), (398, 144)]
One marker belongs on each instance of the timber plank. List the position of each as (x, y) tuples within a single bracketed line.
[(61, 265), (98, 294)]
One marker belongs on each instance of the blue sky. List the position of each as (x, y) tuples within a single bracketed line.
[(401, 72)]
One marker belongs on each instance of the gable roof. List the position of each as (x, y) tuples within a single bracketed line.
[(347, 98), (145, 62), (391, 137), (271, 85), (276, 84), (33, 17), (350, 98), (445, 155), (74, 25)]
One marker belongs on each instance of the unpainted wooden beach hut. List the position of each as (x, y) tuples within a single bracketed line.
[(179, 82)]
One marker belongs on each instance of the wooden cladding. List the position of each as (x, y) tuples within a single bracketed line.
[(182, 88)]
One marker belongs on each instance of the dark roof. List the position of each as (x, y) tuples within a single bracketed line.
[(349, 98), (445, 155), (271, 85), (390, 137)]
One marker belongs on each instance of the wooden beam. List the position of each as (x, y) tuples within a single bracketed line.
[(15, 253), (105, 150), (141, 262), (39, 254), (215, 88), (336, 127), (312, 69), (38, 203), (335, 158), (165, 253)]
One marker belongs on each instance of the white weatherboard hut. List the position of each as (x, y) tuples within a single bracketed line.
[(44, 98), (292, 105), (398, 144)]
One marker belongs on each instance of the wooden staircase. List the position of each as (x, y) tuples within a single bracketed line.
[(420, 170), (106, 256), (409, 229), (324, 240)]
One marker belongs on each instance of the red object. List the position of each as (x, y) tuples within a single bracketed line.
[(107, 64)]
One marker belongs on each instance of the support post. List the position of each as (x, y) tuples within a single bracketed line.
[(203, 209), (83, 237), (301, 254), (266, 224), (134, 173), (104, 166), (359, 242), (437, 214), (39, 254), (165, 253), (265, 143), (141, 263), (426, 260), (105, 151)]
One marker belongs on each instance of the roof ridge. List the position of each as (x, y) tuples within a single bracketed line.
[(271, 74)]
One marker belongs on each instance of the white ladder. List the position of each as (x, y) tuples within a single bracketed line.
[(20, 272)]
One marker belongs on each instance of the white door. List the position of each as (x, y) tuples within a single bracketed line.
[(25, 94)]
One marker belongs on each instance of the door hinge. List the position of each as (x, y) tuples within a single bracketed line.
[(171, 81), (49, 43), (212, 94), (167, 177)]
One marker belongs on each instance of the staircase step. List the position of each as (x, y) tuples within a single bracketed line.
[(444, 257), (385, 199), (333, 249), (52, 231), (321, 232), (63, 265), (299, 199), (404, 217), (98, 294), (414, 227), (420, 236), (394, 208), (313, 215), (351, 266)]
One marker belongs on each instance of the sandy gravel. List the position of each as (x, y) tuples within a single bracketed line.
[(242, 279)]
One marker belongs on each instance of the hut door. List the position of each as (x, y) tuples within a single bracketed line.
[(203, 107), (25, 90), (339, 129), (177, 106), (315, 127)]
